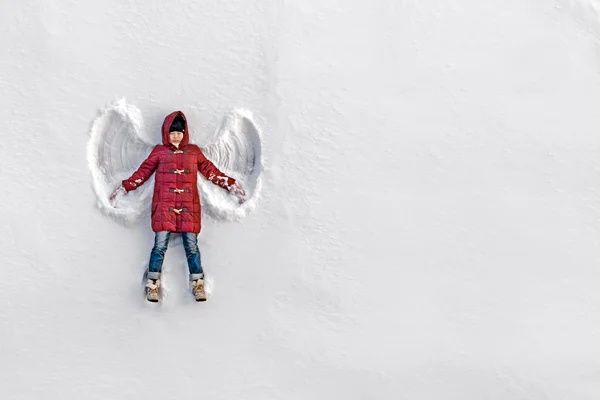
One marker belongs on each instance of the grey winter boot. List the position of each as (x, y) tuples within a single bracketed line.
[(152, 286), (198, 289)]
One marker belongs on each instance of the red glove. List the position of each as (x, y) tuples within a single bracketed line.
[(238, 192)]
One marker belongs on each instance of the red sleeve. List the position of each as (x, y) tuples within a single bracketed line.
[(212, 173), (143, 173)]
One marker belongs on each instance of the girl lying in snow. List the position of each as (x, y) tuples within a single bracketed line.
[(176, 202)]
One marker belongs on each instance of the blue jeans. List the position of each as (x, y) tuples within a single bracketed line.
[(192, 253)]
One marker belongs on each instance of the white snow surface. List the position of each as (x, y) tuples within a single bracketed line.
[(428, 224)]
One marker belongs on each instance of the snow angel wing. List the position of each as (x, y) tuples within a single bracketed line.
[(236, 150), (115, 149)]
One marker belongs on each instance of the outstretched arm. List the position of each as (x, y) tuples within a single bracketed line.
[(212, 173), (143, 173)]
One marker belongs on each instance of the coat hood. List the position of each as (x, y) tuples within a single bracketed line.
[(167, 124)]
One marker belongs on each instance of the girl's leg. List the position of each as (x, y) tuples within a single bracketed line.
[(190, 244), (157, 256)]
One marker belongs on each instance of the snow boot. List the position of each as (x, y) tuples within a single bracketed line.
[(152, 286), (198, 289)]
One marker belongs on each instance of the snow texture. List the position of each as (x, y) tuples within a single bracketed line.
[(429, 215), (237, 151), (115, 150), (587, 12), (589, 4)]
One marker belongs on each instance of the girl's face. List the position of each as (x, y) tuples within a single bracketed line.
[(175, 137)]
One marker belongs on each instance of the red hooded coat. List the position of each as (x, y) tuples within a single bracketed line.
[(176, 202)]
